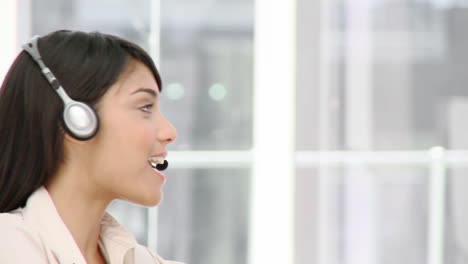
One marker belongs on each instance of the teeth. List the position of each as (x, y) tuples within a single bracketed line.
[(156, 160)]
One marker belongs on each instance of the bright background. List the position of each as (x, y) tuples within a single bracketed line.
[(324, 131)]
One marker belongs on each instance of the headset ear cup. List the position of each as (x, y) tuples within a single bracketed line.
[(72, 118), (79, 119), (72, 134)]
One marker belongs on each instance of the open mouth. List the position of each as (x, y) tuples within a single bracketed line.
[(158, 163)]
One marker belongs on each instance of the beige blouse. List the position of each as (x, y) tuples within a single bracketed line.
[(37, 234)]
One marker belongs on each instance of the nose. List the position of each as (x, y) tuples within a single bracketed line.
[(167, 132)]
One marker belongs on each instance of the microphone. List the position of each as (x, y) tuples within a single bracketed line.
[(161, 167)]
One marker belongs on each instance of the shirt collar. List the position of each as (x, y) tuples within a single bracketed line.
[(115, 239), (40, 213)]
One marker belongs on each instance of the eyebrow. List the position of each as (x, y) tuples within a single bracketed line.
[(145, 90)]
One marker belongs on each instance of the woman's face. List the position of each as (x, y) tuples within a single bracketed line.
[(132, 129)]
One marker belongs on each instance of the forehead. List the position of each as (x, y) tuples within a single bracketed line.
[(136, 75)]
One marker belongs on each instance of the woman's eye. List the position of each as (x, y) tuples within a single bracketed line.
[(147, 108)]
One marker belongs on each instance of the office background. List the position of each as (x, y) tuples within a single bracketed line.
[(373, 169)]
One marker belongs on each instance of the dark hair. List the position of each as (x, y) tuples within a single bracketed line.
[(31, 134)]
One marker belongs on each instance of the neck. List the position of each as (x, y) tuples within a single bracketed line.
[(81, 208)]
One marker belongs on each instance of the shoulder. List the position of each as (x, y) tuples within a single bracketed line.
[(17, 239), (13, 225)]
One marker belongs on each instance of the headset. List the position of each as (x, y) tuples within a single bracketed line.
[(80, 119)]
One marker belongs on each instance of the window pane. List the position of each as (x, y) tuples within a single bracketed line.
[(392, 69), (207, 64), (125, 18), (204, 216), (363, 214), (456, 240)]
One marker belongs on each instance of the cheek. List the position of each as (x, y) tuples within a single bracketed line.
[(143, 135), (125, 147), (126, 142), (128, 128), (135, 141)]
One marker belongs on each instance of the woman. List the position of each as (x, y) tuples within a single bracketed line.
[(62, 163)]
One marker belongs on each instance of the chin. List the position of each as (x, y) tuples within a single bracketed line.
[(152, 203), (149, 200), (145, 190)]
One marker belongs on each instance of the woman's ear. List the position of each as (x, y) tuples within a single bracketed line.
[(68, 139)]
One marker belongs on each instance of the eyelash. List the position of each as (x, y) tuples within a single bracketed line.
[(147, 108)]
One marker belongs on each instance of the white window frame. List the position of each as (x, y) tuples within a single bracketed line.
[(273, 157)]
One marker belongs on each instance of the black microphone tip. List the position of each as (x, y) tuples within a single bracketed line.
[(161, 167)]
